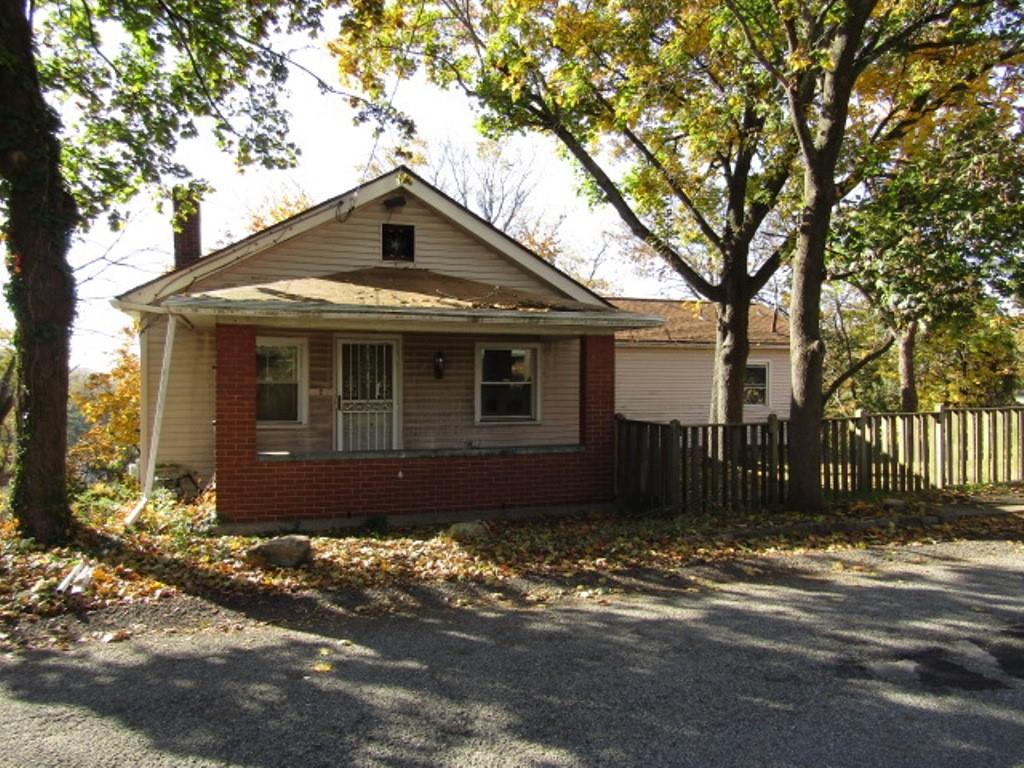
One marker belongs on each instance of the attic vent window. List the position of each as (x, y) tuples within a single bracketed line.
[(397, 242)]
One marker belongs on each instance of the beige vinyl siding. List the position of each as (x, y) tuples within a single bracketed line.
[(666, 383), (355, 244), (436, 413), (186, 436), (439, 413)]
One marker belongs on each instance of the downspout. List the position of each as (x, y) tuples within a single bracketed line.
[(158, 418)]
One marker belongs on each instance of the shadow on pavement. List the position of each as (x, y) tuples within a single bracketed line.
[(917, 664)]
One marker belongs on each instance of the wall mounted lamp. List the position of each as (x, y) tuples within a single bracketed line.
[(439, 363)]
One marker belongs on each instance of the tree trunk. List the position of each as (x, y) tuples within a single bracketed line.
[(820, 148), (41, 215), (732, 348), (908, 381), (807, 350)]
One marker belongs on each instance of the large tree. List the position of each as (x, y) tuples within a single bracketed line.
[(663, 120), (95, 96), (937, 231), (859, 77)]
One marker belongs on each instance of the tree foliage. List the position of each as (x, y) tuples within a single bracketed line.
[(135, 79), (937, 232), (131, 80), (284, 205), (8, 394), (662, 119), (939, 229), (110, 404), (970, 360), (859, 78), (976, 362)]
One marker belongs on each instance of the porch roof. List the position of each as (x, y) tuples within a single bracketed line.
[(397, 294)]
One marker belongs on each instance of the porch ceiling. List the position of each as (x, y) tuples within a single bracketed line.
[(397, 294)]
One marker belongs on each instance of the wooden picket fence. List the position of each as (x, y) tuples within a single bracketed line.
[(708, 467)]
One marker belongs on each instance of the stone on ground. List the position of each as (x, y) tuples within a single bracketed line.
[(284, 551), (465, 532)]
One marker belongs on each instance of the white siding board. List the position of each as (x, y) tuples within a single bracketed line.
[(666, 383), (187, 434), (339, 246)]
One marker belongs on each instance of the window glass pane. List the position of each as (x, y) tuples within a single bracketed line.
[(397, 242), (755, 390), (752, 396), (507, 365), (277, 382), (277, 364), (756, 376), (506, 401), (277, 402)]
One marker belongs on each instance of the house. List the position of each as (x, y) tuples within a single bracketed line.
[(666, 372), (385, 353)]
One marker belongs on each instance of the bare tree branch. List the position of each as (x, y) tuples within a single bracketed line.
[(629, 216)]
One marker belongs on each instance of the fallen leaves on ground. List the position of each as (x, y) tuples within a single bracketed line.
[(172, 551)]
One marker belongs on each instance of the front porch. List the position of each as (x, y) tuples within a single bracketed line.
[(435, 454)]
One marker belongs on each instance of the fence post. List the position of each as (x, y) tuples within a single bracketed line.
[(940, 446), (1020, 445), (773, 458), (674, 471), (863, 481)]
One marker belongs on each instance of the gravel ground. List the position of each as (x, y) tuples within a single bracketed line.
[(909, 656)]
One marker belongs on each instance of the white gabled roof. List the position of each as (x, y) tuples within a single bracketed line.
[(338, 208)]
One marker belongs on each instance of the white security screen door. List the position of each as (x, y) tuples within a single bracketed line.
[(367, 396)]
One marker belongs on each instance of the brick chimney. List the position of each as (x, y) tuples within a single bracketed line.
[(188, 246)]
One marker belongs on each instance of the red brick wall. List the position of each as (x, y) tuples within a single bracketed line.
[(253, 490)]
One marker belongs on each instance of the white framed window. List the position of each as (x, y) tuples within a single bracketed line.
[(507, 383), (755, 384), (282, 376)]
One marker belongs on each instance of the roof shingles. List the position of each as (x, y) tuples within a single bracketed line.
[(693, 322)]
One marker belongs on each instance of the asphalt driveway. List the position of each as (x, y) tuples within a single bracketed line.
[(894, 657)]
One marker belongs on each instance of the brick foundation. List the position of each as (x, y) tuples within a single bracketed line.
[(252, 490)]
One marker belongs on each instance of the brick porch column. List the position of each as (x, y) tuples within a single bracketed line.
[(597, 411), (236, 416)]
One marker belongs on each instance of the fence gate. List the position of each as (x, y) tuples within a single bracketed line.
[(367, 398)]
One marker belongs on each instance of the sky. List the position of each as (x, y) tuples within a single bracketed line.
[(335, 155)]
